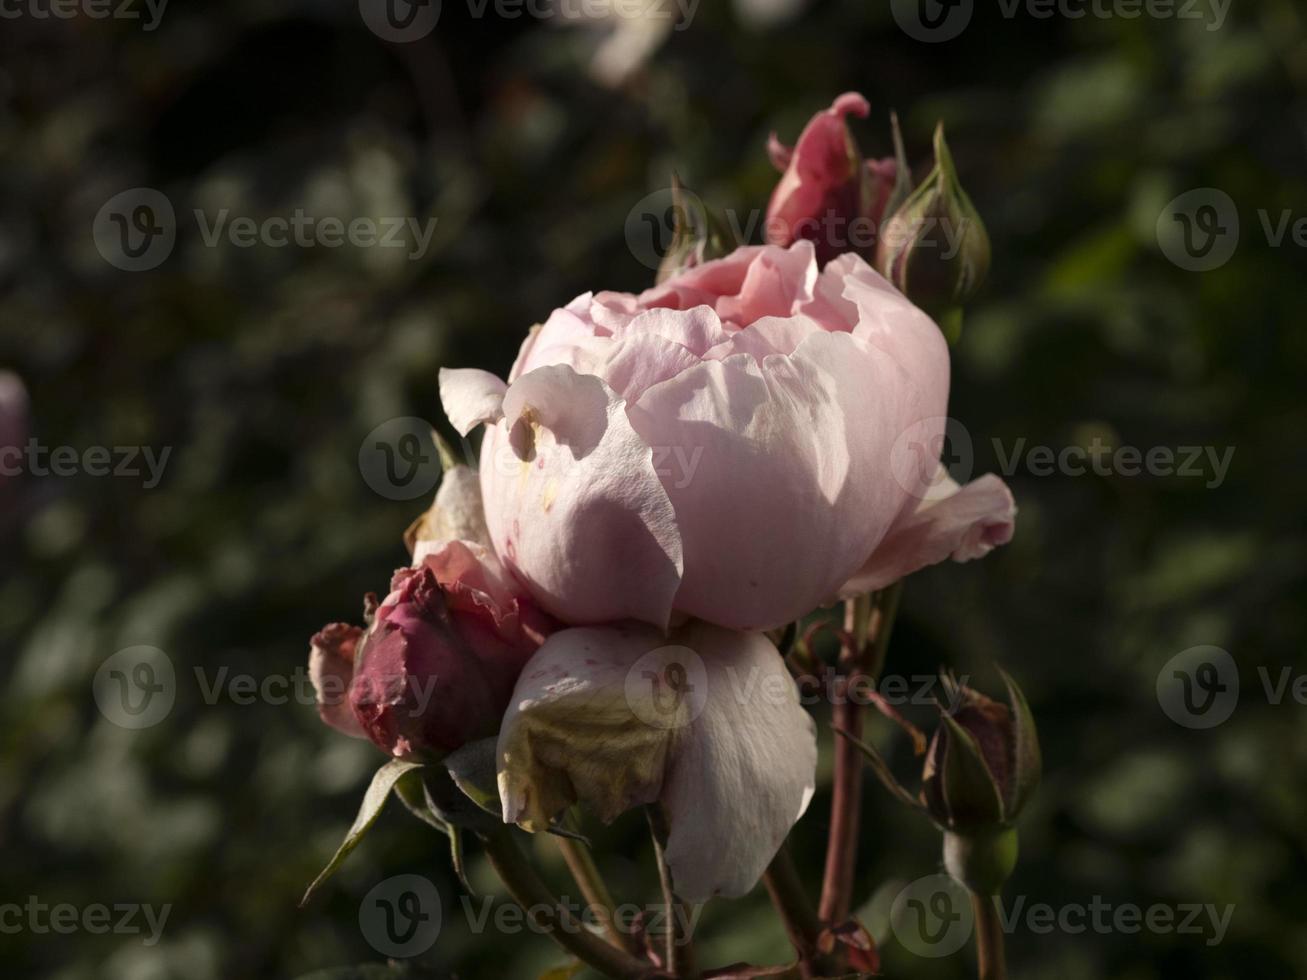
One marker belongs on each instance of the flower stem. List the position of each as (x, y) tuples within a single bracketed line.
[(586, 874), (679, 959), (545, 911), (868, 621), (989, 937), (796, 912)]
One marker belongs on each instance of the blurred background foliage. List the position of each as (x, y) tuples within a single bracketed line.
[(264, 368)]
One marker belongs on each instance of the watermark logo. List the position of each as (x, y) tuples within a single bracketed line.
[(400, 21), (400, 917), (667, 688), (651, 224), (1199, 687), (932, 916), (1199, 230), (930, 452), (932, 21), (136, 687), (149, 12), (136, 229), (398, 459), (120, 919)]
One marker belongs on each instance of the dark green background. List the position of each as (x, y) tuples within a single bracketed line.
[(264, 369)]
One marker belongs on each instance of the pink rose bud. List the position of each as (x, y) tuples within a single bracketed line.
[(418, 690), (435, 668), (828, 194)]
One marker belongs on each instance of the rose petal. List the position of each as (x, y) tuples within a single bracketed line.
[(455, 515), (742, 773), (574, 505), (331, 668), (598, 716), (470, 396), (958, 522), (775, 471), (571, 732)]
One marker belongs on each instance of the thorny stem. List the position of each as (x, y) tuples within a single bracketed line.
[(547, 912), (679, 959), (868, 621)]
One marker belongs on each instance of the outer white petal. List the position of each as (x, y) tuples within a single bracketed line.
[(707, 721), (470, 396), (742, 773)]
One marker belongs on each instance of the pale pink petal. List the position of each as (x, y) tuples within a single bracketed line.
[(573, 502), (776, 474), (770, 335), (331, 669), (955, 522), (695, 329), (742, 772), (636, 362), (470, 396)]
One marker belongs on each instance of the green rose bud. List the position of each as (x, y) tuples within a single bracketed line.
[(982, 766), (934, 247)]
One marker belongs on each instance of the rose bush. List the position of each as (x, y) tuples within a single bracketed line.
[(738, 444)]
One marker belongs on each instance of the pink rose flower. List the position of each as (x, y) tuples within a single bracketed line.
[(735, 445), (827, 193), (13, 424)]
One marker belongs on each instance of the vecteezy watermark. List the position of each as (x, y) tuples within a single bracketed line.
[(398, 459), (400, 917), (932, 917), (932, 451), (651, 224), (1199, 687), (570, 916), (1199, 230), (122, 462), (150, 12), (136, 230), (944, 20), (1210, 463), (137, 688), (65, 918), (667, 688), (405, 21)]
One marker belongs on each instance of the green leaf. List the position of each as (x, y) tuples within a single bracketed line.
[(373, 800), (1027, 756), (564, 972), (411, 790)]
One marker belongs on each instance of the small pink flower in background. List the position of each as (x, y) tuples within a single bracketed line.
[(436, 665), (13, 420), (827, 193), (725, 445)]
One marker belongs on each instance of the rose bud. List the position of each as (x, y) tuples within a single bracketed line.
[(828, 194), (435, 668), (982, 766), (698, 235), (934, 247)]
